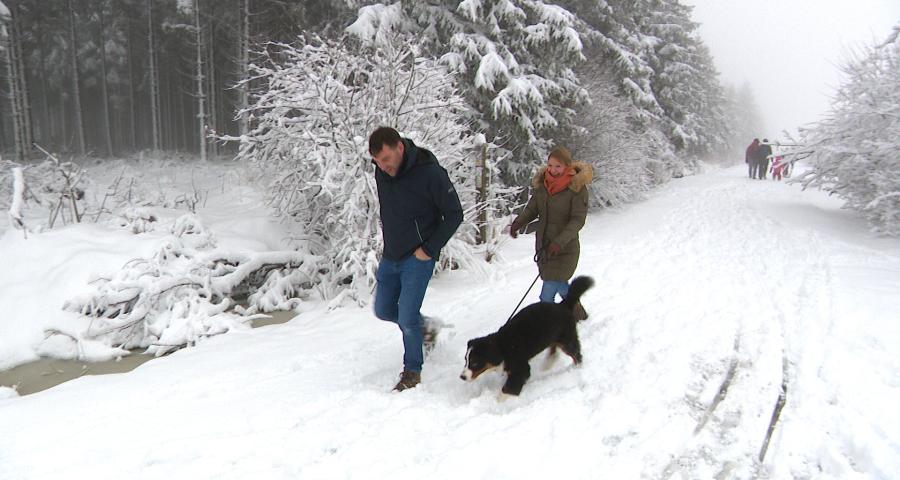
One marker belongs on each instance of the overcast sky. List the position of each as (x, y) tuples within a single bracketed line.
[(789, 51)]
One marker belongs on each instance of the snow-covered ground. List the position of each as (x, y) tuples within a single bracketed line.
[(43, 271), (714, 277)]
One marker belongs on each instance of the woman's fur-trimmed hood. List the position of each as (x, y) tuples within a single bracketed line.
[(584, 173)]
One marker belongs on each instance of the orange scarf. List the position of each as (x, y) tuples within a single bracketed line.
[(555, 185)]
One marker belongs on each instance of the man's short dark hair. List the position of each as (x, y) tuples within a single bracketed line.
[(383, 136)]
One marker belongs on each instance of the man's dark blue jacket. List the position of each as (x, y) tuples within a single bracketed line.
[(419, 206)]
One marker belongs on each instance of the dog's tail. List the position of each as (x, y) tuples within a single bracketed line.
[(576, 290)]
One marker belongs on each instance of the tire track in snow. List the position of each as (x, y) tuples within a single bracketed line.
[(722, 391), (720, 444)]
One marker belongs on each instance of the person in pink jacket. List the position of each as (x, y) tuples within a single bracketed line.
[(777, 167)]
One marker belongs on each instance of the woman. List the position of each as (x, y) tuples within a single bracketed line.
[(559, 201)]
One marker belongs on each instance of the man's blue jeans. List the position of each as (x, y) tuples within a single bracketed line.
[(553, 287), (398, 297)]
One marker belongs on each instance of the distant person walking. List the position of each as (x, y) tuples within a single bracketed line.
[(420, 211), (750, 157), (762, 154)]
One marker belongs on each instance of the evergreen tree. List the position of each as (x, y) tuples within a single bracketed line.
[(685, 81), (514, 60), (615, 37), (663, 67)]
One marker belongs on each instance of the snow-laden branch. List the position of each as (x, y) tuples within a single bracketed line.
[(854, 149), (18, 200), (185, 291)]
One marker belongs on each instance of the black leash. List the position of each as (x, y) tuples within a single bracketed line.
[(537, 259), (523, 297)]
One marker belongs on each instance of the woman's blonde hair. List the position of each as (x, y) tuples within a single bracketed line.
[(562, 154)]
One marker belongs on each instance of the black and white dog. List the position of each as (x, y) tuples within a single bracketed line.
[(535, 328)]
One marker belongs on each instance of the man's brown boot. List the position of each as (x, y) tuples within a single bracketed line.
[(408, 380)]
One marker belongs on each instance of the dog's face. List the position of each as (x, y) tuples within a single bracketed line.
[(482, 355)]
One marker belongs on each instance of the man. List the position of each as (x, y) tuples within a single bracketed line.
[(762, 153), (420, 211), (750, 158)]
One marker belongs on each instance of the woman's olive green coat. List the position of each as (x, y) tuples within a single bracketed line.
[(560, 217)]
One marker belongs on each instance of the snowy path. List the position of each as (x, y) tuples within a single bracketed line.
[(714, 277)]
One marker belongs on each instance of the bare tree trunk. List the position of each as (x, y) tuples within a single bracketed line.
[(25, 100), (154, 81), (201, 98), (213, 109), (244, 64), (76, 94), (18, 137), (104, 87), (47, 123), (132, 95), (172, 128), (18, 91), (9, 41)]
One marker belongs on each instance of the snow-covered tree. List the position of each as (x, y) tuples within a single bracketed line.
[(310, 142), (855, 148), (662, 66), (624, 159), (684, 82), (514, 61), (615, 38)]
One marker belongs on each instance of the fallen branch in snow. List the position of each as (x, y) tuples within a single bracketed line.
[(186, 291)]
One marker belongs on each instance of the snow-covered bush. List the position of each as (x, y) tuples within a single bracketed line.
[(856, 148), (310, 144), (53, 185), (135, 219), (185, 290)]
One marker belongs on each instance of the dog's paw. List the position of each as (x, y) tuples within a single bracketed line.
[(503, 397)]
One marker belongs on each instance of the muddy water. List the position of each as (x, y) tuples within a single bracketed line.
[(45, 373)]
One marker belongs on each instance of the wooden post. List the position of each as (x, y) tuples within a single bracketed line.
[(481, 198)]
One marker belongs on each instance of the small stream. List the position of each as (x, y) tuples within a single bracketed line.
[(46, 373)]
